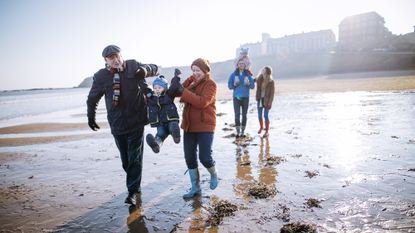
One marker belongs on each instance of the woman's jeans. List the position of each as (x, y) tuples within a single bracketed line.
[(238, 103), (260, 109), (191, 142), (131, 150)]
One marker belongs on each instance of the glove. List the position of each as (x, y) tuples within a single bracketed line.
[(175, 79), (92, 124), (153, 70), (236, 81), (148, 93), (177, 72), (246, 81), (176, 87), (146, 70)]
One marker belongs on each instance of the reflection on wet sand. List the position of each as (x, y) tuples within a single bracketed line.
[(197, 224), (135, 220), (267, 173), (245, 179), (243, 172)]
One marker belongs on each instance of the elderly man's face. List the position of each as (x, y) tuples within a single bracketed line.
[(114, 61)]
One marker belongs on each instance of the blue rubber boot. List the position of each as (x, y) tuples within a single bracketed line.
[(213, 177), (194, 180)]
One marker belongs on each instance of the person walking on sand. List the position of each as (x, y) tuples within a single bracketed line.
[(123, 84), (198, 93), (264, 97), (241, 81), (162, 112)]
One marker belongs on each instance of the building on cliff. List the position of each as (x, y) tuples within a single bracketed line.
[(363, 32), (318, 41)]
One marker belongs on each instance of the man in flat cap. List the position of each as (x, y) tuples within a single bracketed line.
[(123, 85)]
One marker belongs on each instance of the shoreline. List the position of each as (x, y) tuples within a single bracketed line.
[(300, 86)]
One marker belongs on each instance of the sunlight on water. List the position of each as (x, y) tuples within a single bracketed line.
[(344, 119)]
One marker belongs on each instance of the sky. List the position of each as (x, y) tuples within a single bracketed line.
[(58, 43)]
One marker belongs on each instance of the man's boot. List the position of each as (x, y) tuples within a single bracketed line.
[(194, 180), (266, 128), (243, 131), (131, 199), (238, 131), (213, 177), (261, 126)]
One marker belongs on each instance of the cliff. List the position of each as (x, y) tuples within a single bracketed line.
[(307, 64)]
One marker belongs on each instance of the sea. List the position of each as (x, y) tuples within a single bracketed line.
[(43, 105)]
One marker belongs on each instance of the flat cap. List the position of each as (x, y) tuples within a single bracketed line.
[(110, 49)]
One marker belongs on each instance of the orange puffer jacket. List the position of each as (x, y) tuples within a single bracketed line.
[(199, 113)]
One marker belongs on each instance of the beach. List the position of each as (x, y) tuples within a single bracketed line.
[(339, 158)]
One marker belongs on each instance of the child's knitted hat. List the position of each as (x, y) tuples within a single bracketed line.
[(161, 81)]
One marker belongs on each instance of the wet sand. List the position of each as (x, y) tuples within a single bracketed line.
[(346, 151), (46, 127), (367, 81)]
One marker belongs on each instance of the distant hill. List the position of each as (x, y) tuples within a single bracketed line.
[(87, 82), (307, 64)]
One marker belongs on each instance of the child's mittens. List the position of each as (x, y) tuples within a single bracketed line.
[(246, 81), (177, 72), (149, 94), (236, 81), (175, 79)]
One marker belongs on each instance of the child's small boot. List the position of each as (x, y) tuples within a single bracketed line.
[(175, 133), (153, 142)]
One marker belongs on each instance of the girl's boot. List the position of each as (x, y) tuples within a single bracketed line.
[(261, 126), (266, 128)]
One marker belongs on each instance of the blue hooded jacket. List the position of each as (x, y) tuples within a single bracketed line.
[(241, 90)]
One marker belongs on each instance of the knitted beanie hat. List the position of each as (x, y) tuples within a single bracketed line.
[(203, 64), (161, 81)]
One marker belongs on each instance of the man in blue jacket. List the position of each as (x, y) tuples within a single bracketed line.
[(240, 81), (124, 86)]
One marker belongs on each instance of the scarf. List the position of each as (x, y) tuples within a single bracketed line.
[(116, 86)]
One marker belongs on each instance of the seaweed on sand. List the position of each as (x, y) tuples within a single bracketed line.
[(220, 210), (262, 190)]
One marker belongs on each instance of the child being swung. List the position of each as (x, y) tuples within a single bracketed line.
[(162, 112)]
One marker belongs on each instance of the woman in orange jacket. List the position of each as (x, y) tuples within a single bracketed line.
[(198, 93)]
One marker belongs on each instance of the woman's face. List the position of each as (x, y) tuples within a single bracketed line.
[(197, 72)]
